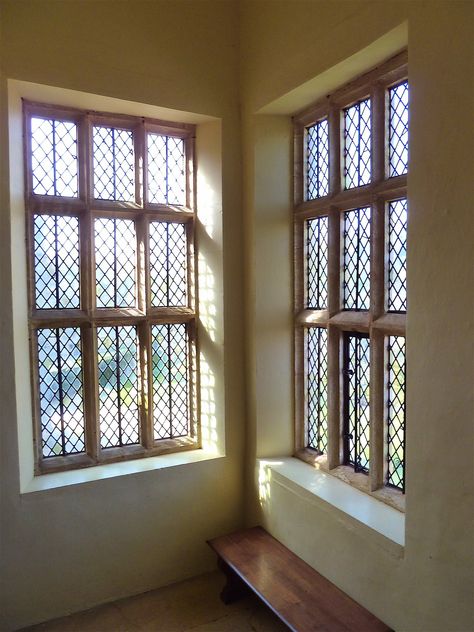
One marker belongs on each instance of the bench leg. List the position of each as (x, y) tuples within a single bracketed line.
[(235, 588)]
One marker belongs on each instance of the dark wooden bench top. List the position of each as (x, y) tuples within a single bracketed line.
[(302, 598)]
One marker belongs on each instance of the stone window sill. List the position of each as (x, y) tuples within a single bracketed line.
[(371, 517)]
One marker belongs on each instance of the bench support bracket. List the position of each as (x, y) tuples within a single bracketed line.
[(235, 588)]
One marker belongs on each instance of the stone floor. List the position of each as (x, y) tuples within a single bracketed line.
[(190, 605)]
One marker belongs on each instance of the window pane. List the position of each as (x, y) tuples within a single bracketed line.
[(114, 164), (60, 391), (317, 263), (356, 402), (170, 381), (56, 261), (317, 371), (357, 145), (357, 259), (166, 170), (117, 362), (398, 132), (54, 157), (317, 160), (396, 412), (115, 257), (397, 256), (168, 265)]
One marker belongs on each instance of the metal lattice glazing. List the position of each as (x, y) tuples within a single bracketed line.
[(115, 257), (357, 416), (168, 264), (54, 165), (398, 129), (114, 164), (317, 160), (397, 256), (356, 284), (60, 391), (317, 389), (56, 261), (396, 412), (117, 363), (317, 263), (166, 170), (357, 144), (170, 367)]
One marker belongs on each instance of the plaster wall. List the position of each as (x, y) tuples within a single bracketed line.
[(114, 537), (69, 548), (287, 46)]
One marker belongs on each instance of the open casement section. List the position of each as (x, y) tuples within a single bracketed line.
[(110, 229), (347, 255)]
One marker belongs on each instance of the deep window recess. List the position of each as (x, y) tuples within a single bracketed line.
[(350, 217), (111, 269)]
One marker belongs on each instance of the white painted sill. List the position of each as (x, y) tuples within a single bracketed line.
[(371, 517), (112, 470)]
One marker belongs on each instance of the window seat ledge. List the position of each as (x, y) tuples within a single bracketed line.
[(111, 470), (372, 518)]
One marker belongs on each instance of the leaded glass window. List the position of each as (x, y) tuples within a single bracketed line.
[(351, 221), (111, 258)]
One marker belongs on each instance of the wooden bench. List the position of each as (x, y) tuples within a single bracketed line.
[(302, 598)]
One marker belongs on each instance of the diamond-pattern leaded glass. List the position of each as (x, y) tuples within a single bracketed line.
[(317, 263), (396, 412), (115, 258), (56, 261), (397, 256), (317, 372), (357, 145), (357, 375), (170, 368), (398, 129), (317, 160), (166, 170), (54, 157), (60, 391), (114, 164), (357, 259), (117, 361), (168, 269)]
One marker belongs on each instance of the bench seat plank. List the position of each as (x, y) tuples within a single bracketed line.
[(302, 598)]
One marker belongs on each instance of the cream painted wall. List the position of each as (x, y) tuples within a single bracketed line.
[(284, 45), (69, 548)]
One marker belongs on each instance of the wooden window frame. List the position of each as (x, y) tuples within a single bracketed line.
[(376, 322), (88, 317)]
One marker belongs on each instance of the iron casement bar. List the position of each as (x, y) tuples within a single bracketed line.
[(117, 378), (188, 368), (167, 265), (170, 390), (358, 145), (61, 393), (357, 261), (319, 389), (318, 166), (345, 371), (357, 389), (54, 158), (115, 262), (319, 265), (56, 260), (113, 165), (166, 170)]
